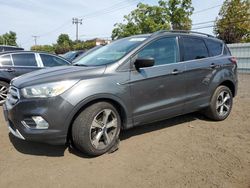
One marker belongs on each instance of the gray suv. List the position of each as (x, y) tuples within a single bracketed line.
[(132, 81)]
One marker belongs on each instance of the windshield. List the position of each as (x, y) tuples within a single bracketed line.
[(111, 52), (86, 53), (69, 55)]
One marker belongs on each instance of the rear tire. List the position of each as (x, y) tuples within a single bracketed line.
[(221, 104), (4, 86), (96, 129)]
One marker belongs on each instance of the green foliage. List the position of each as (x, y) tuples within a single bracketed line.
[(64, 39), (147, 19), (144, 19), (233, 23), (83, 45), (63, 45), (8, 39), (179, 13), (43, 48), (63, 48)]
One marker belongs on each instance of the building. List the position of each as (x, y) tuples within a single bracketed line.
[(99, 41)]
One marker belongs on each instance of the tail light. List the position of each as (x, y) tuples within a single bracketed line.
[(233, 60)]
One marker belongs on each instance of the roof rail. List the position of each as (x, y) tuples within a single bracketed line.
[(181, 31)]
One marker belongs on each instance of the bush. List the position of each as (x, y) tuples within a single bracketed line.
[(43, 48)]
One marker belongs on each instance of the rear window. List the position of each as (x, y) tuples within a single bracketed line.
[(194, 49), (214, 47), (24, 59), (5, 60), (51, 61)]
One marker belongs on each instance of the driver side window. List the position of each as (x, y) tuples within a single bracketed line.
[(164, 51)]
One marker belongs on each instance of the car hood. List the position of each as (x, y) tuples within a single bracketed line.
[(57, 74)]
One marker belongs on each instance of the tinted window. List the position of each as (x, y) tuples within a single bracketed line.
[(214, 47), (4, 48), (24, 59), (5, 60), (164, 51), (51, 61), (194, 49)]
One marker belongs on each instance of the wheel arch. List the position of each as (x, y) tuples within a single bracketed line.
[(230, 85), (116, 102), (5, 80), (224, 77)]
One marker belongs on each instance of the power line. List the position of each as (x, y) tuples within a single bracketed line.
[(93, 14), (113, 8), (206, 9), (208, 26), (201, 23), (63, 25)]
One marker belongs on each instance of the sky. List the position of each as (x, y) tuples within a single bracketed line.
[(49, 18)]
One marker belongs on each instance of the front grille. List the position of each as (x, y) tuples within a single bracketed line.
[(13, 96)]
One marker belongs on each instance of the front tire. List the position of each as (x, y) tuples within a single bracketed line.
[(221, 104), (4, 86), (96, 129)]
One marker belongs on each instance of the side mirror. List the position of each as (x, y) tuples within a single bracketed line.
[(145, 62)]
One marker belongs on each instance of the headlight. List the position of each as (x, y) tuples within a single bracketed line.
[(47, 90)]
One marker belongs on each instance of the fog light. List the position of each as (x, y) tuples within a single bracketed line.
[(40, 122)]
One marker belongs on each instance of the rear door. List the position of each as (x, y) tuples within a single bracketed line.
[(158, 92), (24, 63), (199, 70)]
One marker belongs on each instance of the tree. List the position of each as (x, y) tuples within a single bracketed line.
[(144, 19), (64, 39), (179, 12), (233, 23), (61, 49), (8, 39), (147, 19)]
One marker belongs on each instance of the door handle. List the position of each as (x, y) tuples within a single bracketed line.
[(175, 71), (213, 66), (9, 70)]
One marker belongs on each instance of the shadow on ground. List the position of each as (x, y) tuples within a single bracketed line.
[(161, 125), (33, 148), (39, 149)]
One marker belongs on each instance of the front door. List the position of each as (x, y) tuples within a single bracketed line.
[(158, 92)]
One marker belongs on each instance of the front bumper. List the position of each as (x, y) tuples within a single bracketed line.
[(54, 110), (15, 132)]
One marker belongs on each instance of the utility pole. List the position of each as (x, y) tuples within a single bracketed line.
[(76, 21), (35, 39)]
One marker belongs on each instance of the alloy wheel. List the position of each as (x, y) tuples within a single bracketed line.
[(3, 93), (103, 129), (223, 103)]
